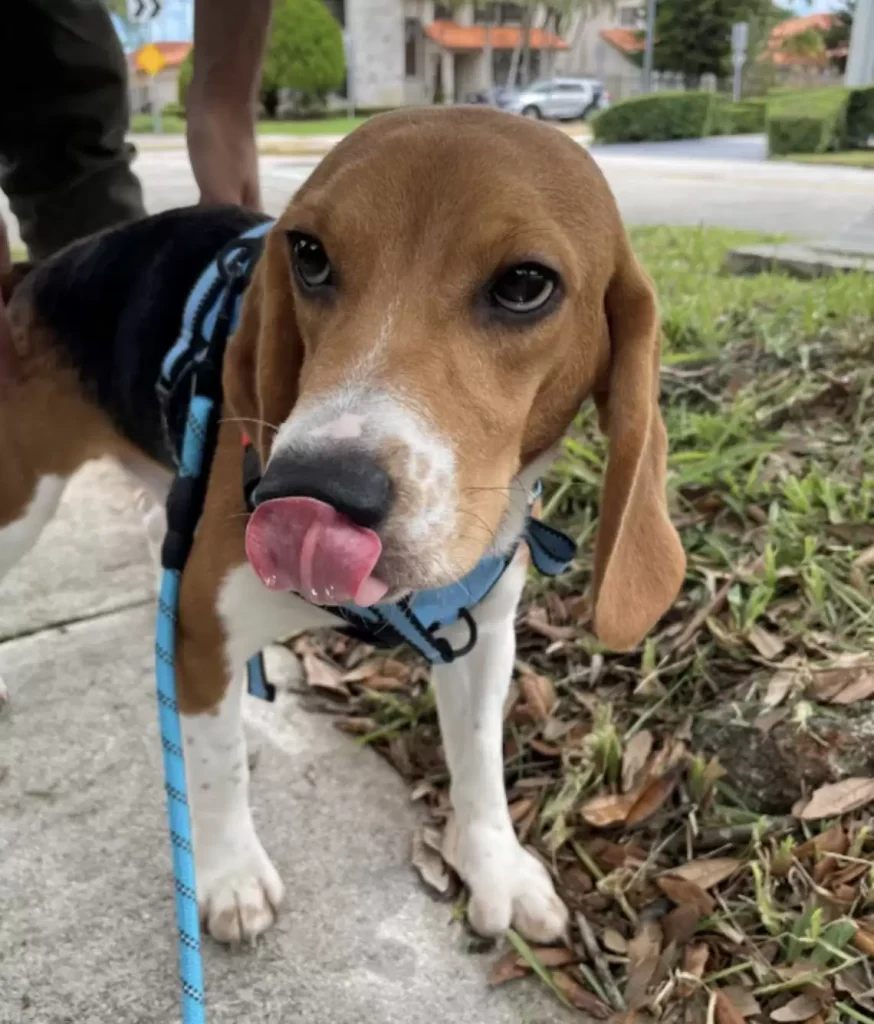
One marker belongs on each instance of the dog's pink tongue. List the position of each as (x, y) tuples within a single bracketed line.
[(305, 545)]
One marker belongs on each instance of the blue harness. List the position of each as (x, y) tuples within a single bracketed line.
[(189, 393)]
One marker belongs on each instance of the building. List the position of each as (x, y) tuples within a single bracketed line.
[(417, 51), (165, 88), (604, 43)]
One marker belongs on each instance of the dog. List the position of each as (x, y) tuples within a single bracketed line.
[(420, 329)]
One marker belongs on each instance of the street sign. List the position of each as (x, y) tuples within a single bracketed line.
[(740, 32), (142, 11), (150, 59), (739, 35)]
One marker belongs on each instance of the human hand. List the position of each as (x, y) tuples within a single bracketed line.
[(223, 153)]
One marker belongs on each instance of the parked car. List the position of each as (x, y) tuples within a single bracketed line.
[(560, 99)]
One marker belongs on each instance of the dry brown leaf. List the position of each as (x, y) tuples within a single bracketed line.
[(637, 751), (726, 1011), (707, 872), (833, 840), (863, 940), (537, 621), (744, 1001), (539, 695), (654, 794), (844, 685), (322, 676), (695, 959), (644, 951), (779, 685), (382, 683), (614, 941), (520, 808), (838, 798), (553, 956), (508, 968), (680, 924), (361, 672), (581, 997), (683, 892), (768, 644), (429, 863), (608, 809), (801, 1008)]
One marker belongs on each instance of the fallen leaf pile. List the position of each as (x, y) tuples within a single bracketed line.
[(703, 803)]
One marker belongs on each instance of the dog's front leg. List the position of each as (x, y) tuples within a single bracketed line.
[(507, 884), (238, 888)]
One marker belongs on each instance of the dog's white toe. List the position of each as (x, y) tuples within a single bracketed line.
[(239, 902), (507, 884)]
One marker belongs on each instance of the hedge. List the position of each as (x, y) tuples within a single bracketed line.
[(657, 117), (860, 118), (806, 121), (747, 117)]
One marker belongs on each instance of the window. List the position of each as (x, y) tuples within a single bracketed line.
[(629, 17), (443, 12), (412, 33), (511, 14)]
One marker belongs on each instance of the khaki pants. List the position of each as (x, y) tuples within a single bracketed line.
[(64, 162)]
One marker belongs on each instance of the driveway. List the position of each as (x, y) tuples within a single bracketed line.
[(745, 148)]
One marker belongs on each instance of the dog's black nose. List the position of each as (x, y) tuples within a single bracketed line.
[(350, 481)]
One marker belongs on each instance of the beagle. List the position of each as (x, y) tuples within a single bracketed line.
[(419, 330)]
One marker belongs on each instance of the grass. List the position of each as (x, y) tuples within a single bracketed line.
[(695, 888), (846, 158), (171, 125)]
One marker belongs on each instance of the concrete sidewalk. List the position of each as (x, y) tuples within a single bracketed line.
[(87, 933)]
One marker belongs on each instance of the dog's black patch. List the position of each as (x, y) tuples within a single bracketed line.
[(115, 303)]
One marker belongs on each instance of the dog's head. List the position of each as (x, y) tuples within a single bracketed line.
[(428, 316)]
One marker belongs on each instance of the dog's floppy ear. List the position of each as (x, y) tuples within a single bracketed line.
[(639, 561), (264, 356)]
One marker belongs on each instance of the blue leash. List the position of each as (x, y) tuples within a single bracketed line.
[(197, 430), (175, 785)]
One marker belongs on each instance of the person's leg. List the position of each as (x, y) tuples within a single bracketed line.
[(64, 162)]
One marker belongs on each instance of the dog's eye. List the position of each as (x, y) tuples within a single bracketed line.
[(310, 261), (524, 288)]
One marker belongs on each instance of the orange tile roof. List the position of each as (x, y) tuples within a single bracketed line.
[(503, 37), (795, 26), (174, 54), (628, 40), (786, 30)]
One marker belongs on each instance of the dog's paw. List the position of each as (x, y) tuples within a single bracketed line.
[(239, 899), (508, 885)]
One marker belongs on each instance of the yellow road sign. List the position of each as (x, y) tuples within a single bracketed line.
[(150, 59)]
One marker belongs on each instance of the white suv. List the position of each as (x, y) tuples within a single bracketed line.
[(561, 99)]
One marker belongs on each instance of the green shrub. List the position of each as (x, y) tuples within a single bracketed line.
[(657, 117), (186, 71), (173, 110), (720, 119), (304, 51), (860, 118), (747, 117), (806, 121)]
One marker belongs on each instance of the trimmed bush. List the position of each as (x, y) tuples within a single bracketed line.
[(860, 118), (186, 72), (173, 110), (304, 51), (747, 117), (806, 121), (657, 117)]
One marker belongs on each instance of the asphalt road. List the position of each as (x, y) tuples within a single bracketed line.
[(721, 182)]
